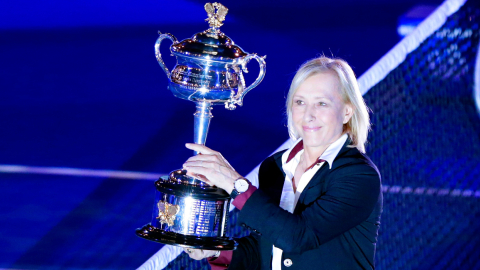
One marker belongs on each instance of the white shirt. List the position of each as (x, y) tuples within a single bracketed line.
[(289, 198)]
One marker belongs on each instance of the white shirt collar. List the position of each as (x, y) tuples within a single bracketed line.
[(328, 155)]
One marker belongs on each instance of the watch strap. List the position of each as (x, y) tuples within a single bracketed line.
[(234, 194)]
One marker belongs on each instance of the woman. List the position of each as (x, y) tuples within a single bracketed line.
[(319, 203)]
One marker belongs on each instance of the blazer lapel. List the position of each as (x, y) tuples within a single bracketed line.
[(277, 189), (273, 177), (317, 179), (311, 190)]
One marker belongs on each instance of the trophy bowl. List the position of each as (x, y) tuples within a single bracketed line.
[(209, 71)]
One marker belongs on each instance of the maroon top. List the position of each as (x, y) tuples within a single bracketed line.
[(222, 262)]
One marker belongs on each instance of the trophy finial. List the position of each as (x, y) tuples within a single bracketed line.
[(216, 14)]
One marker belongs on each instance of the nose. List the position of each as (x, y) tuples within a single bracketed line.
[(309, 113)]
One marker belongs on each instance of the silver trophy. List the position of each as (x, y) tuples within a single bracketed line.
[(188, 212)]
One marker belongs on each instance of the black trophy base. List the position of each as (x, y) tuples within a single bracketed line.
[(152, 233)]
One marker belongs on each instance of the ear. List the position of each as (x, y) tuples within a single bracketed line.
[(348, 113)]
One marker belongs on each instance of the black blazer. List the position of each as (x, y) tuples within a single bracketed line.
[(334, 225)]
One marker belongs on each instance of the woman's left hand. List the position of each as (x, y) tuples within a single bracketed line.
[(211, 167), (199, 254)]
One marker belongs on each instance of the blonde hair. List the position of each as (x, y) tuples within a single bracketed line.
[(359, 124)]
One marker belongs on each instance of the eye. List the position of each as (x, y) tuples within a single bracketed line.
[(322, 104), (298, 102)]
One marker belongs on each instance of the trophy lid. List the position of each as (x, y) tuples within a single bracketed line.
[(211, 43)]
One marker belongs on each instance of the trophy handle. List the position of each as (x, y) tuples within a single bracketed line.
[(158, 55), (261, 74)]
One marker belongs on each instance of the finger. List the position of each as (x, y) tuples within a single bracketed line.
[(205, 169), (194, 172), (209, 253), (197, 254), (200, 177), (205, 157), (189, 251), (216, 165), (198, 162), (202, 149), (202, 163), (213, 171), (206, 175), (208, 154)]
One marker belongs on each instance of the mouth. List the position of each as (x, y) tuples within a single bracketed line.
[(310, 129)]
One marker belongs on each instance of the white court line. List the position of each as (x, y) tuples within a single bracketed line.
[(79, 172), (252, 177), (431, 191), (476, 92)]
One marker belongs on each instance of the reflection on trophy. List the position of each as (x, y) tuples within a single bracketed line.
[(188, 212)]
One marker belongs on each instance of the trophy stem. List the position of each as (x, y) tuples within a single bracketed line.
[(201, 122)]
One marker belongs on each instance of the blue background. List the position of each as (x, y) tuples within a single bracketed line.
[(80, 87)]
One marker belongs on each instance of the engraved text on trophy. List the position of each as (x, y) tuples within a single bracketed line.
[(211, 79), (205, 218)]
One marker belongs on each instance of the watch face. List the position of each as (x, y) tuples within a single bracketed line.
[(241, 185)]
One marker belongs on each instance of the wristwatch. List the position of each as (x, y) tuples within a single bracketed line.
[(240, 185)]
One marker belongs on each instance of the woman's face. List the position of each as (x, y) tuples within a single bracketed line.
[(318, 110)]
